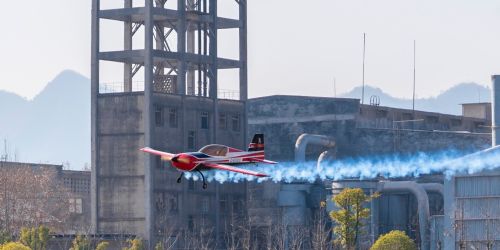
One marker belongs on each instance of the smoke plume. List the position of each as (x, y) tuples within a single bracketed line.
[(389, 166)]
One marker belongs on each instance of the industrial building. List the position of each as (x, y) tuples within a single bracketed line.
[(177, 107), (472, 200), (302, 128), (169, 98)]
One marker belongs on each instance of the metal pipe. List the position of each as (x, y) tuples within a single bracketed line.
[(422, 203), (325, 156), (433, 187), (495, 111), (306, 139)]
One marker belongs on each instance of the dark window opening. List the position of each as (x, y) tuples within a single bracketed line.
[(222, 121), (191, 140), (174, 204), (205, 205), (191, 184), (407, 116), (222, 205), (204, 120), (236, 204), (158, 116), (456, 122), (190, 223), (236, 122), (432, 119), (172, 117)]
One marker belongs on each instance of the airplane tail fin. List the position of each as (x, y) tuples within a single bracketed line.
[(257, 143)]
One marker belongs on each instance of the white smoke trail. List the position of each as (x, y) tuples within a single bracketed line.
[(447, 163)]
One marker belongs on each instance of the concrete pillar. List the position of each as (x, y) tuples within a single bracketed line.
[(148, 120), (495, 111), (94, 91), (190, 49), (181, 47), (127, 45), (243, 65)]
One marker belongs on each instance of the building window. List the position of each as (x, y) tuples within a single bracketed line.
[(236, 205), (222, 205), (205, 205), (174, 203), (204, 120), (75, 206), (172, 117), (222, 121), (191, 140), (235, 120), (191, 184), (190, 223), (158, 116), (456, 122)]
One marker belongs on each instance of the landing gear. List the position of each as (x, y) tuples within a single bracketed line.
[(202, 176), (180, 178)]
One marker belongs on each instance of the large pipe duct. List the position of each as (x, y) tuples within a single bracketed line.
[(306, 139), (495, 111), (326, 156), (422, 203), (433, 187)]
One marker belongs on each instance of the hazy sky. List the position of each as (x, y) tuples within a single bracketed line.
[(295, 47)]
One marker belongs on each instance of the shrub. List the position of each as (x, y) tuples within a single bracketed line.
[(103, 245), (394, 240), (14, 246)]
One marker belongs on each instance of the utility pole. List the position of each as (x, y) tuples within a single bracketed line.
[(363, 88), (334, 88), (414, 66)]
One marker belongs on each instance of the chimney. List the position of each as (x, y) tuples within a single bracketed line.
[(495, 111)]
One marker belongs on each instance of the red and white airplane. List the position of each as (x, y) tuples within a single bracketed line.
[(216, 156)]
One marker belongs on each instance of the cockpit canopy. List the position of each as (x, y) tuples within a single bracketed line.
[(214, 150)]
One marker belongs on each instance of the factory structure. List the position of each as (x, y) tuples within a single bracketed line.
[(178, 106)]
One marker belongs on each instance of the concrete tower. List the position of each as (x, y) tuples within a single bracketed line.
[(175, 108)]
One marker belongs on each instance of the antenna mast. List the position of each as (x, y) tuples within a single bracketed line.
[(363, 88), (334, 87), (414, 66)]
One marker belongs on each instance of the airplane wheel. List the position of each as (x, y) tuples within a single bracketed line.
[(205, 186), (179, 180)]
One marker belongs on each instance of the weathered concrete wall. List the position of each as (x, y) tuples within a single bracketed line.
[(283, 118), (120, 181), (121, 185)]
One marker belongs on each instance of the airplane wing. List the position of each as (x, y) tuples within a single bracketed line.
[(164, 155), (234, 169), (263, 160)]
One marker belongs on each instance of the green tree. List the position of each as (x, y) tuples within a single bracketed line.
[(349, 217), (81, 243), (36, 238), (135, 244), (103, 245), (394, 240), (14, 246)]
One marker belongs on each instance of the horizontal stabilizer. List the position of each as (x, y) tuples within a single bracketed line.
[(262, 160), (234, 169)]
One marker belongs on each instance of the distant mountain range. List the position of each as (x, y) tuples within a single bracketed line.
[(54, 127), (447, 102)]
